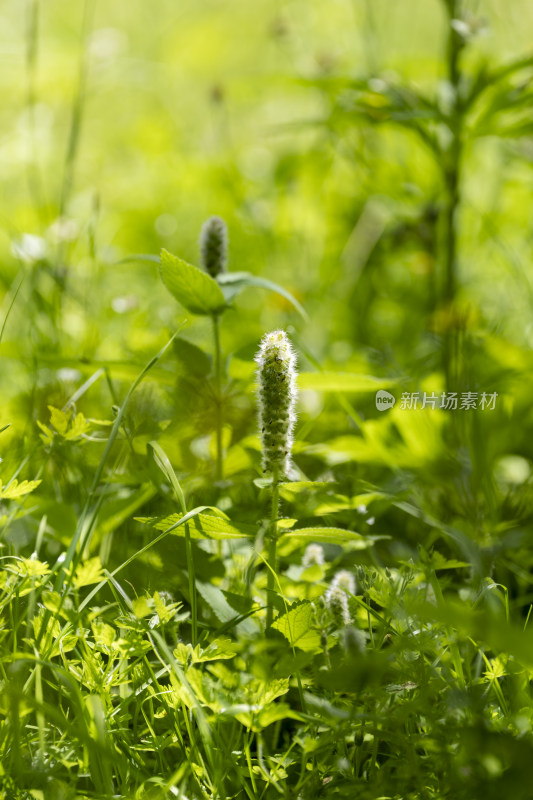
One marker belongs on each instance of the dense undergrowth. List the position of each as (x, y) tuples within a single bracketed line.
[(321, 586)]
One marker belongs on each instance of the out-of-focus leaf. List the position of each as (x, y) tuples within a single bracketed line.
[(216, 600), (192, 361), (16, 490), (232, 283), (88, 573), (342, 382), (332, 536)]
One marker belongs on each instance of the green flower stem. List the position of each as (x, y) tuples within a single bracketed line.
[(452, 168), (272, 548), (218, 398), (192, 585)]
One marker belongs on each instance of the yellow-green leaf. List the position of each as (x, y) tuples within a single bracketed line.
[(297, 627), (16, 489), (88, 573), (194, 289)]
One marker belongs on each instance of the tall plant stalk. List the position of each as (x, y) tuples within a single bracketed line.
[(452, 163), (272, 547), (219, 469), (276, 378), (213, 256)]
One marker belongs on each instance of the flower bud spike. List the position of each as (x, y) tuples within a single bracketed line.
[(214, 246), (336, 597), (276, 388)]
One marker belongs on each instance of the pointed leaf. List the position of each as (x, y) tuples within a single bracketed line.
[(331, 535), (194, 289), (16, 489), (216, 600), (297, 626), (203, 526), (232, 284)]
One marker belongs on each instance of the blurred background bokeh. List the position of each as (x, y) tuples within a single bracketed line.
[(373, 157)]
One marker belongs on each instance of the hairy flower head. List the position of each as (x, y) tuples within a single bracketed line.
[(276, 388), (214, 246), (336, 596)]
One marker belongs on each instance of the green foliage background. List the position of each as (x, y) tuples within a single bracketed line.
[(374, 159)]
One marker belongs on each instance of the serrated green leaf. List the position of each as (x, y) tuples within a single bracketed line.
[(79, 426), (331, 535), (261, 693), (219, 649), (16, 489), (194, 289), (51, 601), (297, 627), (142, 607), (203, 526), (47, 436), (88, 573), (104, 634), (164, 611), (289, 489), (59, 419), (438, 561), (339, 502), (30, 567), (66, 426)]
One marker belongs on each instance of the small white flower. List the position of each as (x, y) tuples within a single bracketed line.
[(29, 248)]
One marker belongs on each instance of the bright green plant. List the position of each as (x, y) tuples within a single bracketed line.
[(211, 292), (214, 255), (134, 662), (276, 385)]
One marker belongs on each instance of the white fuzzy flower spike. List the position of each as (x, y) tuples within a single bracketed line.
[(276, 386), (336, 597)]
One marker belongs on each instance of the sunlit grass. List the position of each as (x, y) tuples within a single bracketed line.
[(174, 621)]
